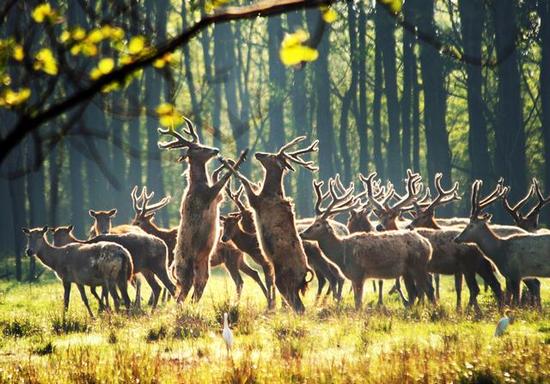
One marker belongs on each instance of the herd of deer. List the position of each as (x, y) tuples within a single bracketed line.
[(288, 250)]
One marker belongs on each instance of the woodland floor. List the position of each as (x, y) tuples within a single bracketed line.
[(329, 344)]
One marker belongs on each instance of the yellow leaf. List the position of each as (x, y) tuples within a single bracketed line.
[(18, 53), (115, 85), (293, 51), (106, 65), (89, 49), (95, 73), (42, 12), (329, 14), (171, 120), (5, 79), (95, 36), (45, 61), (159, 63), (136, 45), (11, 98), (393, 5), (78, 33), (65, 36), (164, 109)]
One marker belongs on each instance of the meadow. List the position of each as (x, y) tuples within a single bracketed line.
[(329, 344)]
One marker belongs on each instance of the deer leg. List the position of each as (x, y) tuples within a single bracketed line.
[(137, 301), (470, 277), (458, 289), (85, 299), (233, 270), (516, 291), (155, 287), (202, 273), (255, 276), (162, 274), (374, 286), (111, 288), (411, 289), (321, 281), (122, 284), (485, 270), (66, 294), (358, 293), (93, 291), (184, 277), (380, 293), (270, 286), (436, 279)]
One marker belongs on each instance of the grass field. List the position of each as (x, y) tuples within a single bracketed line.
[(329, 344)]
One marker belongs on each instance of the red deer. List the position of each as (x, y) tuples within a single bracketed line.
[(226, 254), (516, 256), (102, 263), (198, 230), (149, 256), (103, 224), (386, 255), (275, 220)]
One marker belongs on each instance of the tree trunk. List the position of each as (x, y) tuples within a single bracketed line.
[(437, 139), (409, 66), (472, 19), (362, 125), (544, 14), (387, 41), (277, 80), (377, 104)]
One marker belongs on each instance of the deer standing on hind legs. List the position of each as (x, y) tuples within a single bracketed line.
[(275, 221), (198, 230), (516, 256)]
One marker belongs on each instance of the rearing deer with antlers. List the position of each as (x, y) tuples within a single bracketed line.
[(275, 221), (198, 230), (517, 256)]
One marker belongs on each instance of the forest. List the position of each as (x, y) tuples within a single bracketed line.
[(453, 86)]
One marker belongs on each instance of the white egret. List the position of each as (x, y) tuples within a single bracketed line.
[(227, 334), (503, 323)]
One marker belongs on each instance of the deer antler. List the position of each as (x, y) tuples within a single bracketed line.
[(338, 204), (412, 190), (477, 206), (236, 197), (144, 198), (443, 196), (515, 210), (295, 156), (542, 201)]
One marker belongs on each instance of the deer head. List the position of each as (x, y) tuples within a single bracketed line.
[(388, 214), (193, 150), (478, 225), (62, 235), (145, 212), (283, 159), (35, 239), (530, 221), (230, 225), (338, 204), (246, 215), (102, 220), (425, 207)]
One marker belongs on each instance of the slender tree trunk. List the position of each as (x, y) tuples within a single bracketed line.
[(472, 14), (36, 193), (509, 131), (544, 14), (377, 104), (409, 66), (387, 41), (416, 118), (219, 72), (437, 139), (362, 125), (277, 80), (302, 125)]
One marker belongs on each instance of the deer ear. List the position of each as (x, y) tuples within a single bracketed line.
[(486, 217), (26, 230), (112, 212), (71, 227), (92, 213), (45, 229), (223, 218)]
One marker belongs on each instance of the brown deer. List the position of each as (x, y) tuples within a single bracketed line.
[(386, 255), (102, 263), (149, 256), (516, 256), (225, 254), (275, 220), (198, 230), (103, 224)]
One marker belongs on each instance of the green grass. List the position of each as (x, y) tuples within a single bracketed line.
[(329, 344)]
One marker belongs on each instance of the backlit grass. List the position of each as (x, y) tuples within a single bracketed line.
[(329, 344)]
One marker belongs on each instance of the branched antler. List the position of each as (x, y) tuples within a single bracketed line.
[(295, 156)]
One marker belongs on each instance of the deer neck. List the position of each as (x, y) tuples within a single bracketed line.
[(244, 240), (48, 254), (489, 243), (332, 246), (273, 183), (197, 174)]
